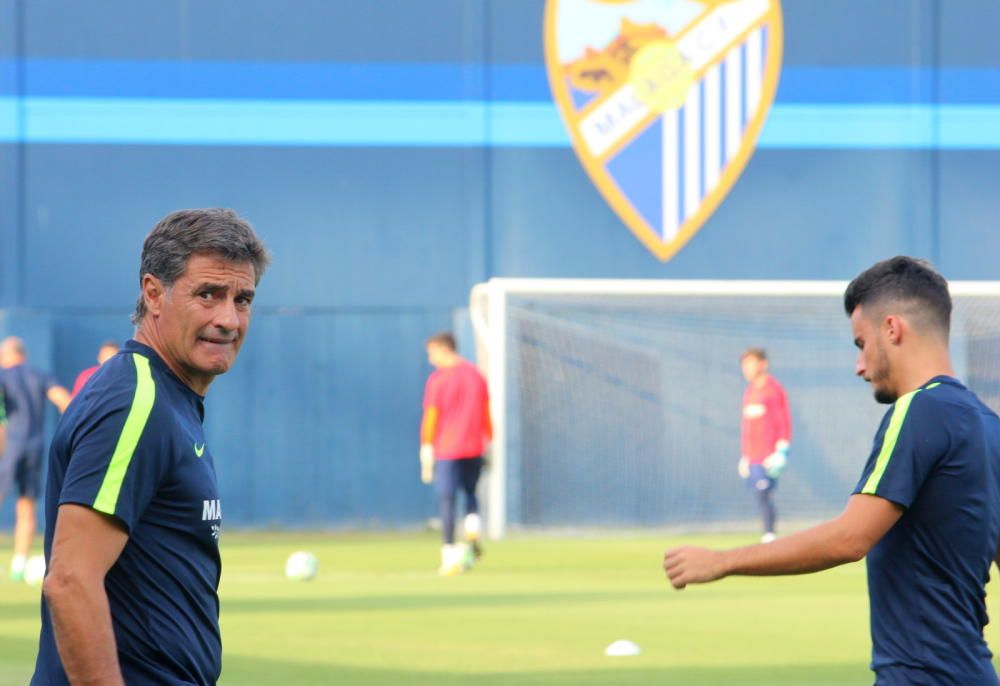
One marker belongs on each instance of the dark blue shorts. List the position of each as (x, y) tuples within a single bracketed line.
[(21, 463), (759, 480), (452, 475)]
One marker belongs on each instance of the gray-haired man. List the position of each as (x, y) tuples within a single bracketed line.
[(132, 500)]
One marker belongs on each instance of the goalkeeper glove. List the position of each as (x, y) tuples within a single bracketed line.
[(775, 463), (427, 463), (743, 467)]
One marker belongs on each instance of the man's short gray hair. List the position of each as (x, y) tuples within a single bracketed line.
[(181, 234)]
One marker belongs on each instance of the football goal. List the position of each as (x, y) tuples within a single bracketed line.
[(617, 403)]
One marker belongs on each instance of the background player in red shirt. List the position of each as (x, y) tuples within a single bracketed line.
[(766, 434), (107, 350), (455, 431)]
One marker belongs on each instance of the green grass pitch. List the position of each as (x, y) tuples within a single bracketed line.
[(537, 611)]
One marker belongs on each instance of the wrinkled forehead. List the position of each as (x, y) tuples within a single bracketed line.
[(216, 269)]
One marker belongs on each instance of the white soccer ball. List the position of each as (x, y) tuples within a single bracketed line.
[(622, 648), (34, 570), (301, 566)]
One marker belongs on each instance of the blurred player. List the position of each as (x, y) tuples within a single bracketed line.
[(454, 434), (104, 353), (767, 430), (926, 510), (3, 424), (132, 502), (26, 391)]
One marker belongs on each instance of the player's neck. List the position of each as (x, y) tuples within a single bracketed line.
[(760, 380), (147, 335), (923, 368)]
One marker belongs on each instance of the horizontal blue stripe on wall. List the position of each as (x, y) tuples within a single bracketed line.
[(10, 130), (436, 81), (160, 121)]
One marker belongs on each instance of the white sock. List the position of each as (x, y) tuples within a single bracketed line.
[(473, 525), (447, 555), (17, 563)]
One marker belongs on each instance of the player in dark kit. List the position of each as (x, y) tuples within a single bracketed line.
[(132, 499), (926, 510), (27, 391)]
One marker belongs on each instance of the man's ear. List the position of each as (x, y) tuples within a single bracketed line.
[(894, 325), (153, 292)]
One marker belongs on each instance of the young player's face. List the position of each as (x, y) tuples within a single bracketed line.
[(872, 362), (752, 367), (436, 355), (205, 315)]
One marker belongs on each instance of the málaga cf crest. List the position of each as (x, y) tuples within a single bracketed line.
[(664, 101)]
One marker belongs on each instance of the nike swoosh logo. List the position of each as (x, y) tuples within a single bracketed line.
[(199, 451)]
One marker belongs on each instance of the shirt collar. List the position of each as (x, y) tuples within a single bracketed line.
[(134, 346)]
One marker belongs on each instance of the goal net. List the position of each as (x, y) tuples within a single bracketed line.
[(618, 403)]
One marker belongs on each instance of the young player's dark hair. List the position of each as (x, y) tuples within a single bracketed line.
[(179, 235), (907, 281), (759, 353), (444, 338)]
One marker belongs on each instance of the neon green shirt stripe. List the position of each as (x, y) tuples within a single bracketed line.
[(889, 441), (142, 405)]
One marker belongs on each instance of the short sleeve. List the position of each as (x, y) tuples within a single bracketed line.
[(431, 392), (908, 445), (118, 457)]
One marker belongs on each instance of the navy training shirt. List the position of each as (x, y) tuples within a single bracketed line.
[(937, 454), (131, 445), (25, 391)]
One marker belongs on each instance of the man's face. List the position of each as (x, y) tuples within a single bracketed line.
[(872, 363), (752, 367), (204, 317), (9, 355), (436, 354)]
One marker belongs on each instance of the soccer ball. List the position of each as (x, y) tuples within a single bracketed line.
[(301, 566), (34, 570)]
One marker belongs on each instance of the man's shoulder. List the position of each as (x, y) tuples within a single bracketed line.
[(118, 373), (122, 383), (942, 401), (774, 385), (471, 369)]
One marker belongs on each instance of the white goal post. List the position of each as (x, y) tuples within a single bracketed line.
[(572, 341)]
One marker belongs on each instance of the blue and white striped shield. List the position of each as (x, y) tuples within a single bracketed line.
[(664, 101)]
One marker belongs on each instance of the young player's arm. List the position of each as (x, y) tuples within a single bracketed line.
[(428, 431), (487, 422), (85, 545), (902, 457), (848, 538), (487, 425)]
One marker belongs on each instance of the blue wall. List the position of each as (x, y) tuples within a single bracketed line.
[(393, 153)]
